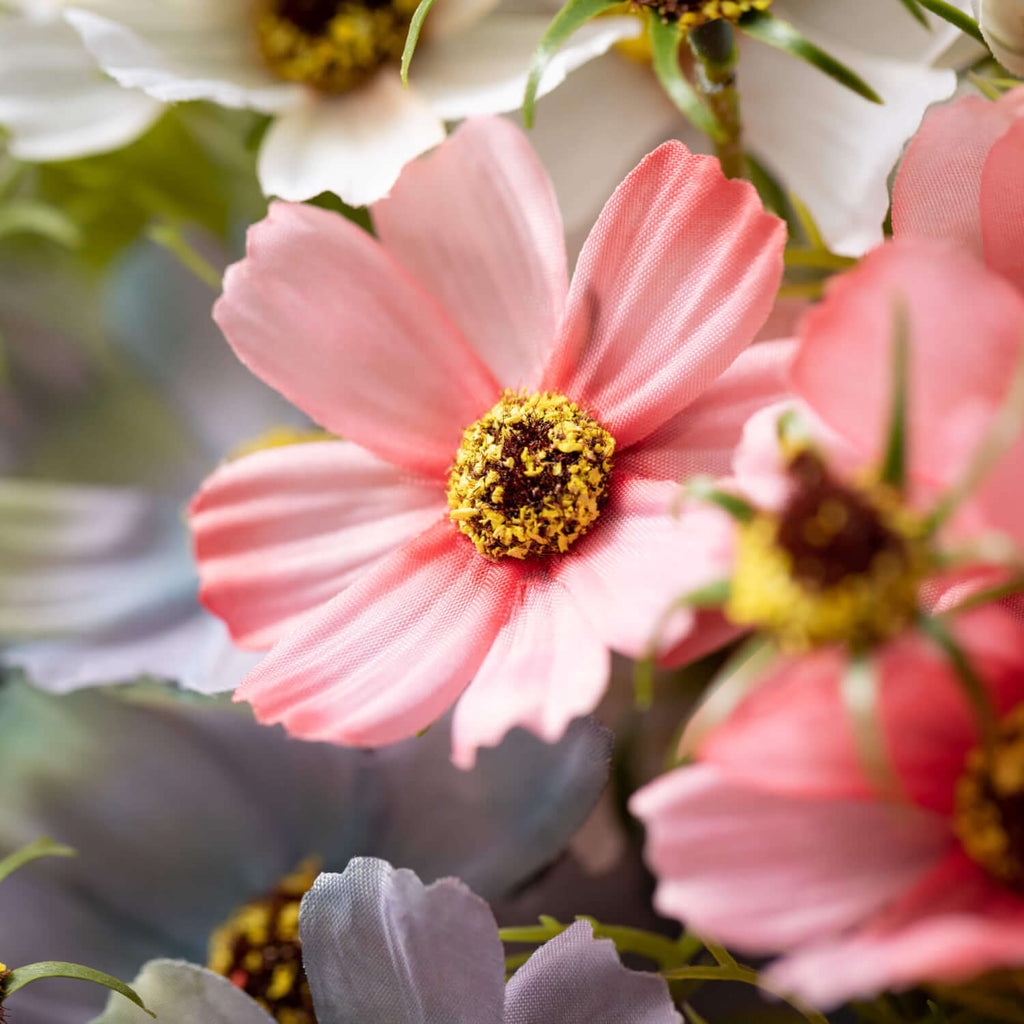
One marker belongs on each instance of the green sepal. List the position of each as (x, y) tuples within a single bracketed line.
[(33, 851), (413, 36), (666, 39), (21, 976), (703, 488), (778, 33), (894, 463), (914, 9), (575, 14), (956, 17)]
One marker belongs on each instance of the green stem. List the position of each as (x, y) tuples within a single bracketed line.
[(714, 46)]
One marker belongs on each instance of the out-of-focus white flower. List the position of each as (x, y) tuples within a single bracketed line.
[(54, 101), (349, 135), (1002, 24), (832, 148)]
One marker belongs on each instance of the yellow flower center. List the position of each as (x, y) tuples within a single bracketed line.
[(281, 436), (837, 565), (332, 45), (258, 949), (530, 477), (989, 815), (694, 13)]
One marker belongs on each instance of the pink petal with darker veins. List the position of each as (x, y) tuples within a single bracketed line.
[(282, 531), (675, 280), (322, 313), (477, 224), (391, 654)]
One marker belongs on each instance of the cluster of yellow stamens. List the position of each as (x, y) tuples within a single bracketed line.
[(838, 564), (530, 477), (332, 45), (694, 13), (989, 816), (258, 950)]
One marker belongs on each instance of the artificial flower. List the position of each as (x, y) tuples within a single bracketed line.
[(379, 945), (181, 812), (1002, 25), (55, 103), (782, 838), (327, 72), (389, 571), (832, 148)]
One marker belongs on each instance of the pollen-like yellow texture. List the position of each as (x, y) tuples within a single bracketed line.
[(530, 477), (694, 13)]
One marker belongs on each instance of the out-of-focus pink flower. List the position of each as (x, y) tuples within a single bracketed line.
[(344, 556), (779, 839)]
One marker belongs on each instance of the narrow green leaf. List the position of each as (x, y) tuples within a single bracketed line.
[(947, 12), (29, 217), (35, 850), (572, 16), (859, 691), (811, 231), (915, 11), (783, 36), (972, 685), (771, 192), (22, 976), (894, 463), (413, 37), (171, 237), (704, 488), (666, 39)]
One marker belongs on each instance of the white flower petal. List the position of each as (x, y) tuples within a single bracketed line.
[(833, 148), (1002, 24), (194, 52), (483, 70), (354, 145), (53, 99)]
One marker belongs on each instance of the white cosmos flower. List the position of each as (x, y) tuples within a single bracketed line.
[(472, 59), (55, 103), (832, 148), (1002, 24)]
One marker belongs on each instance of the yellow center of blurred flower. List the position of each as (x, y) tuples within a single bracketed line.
[(280, 437), (694, 13), (331, 45), (258, 949), (530, 477), (989, 815), (838, 564)]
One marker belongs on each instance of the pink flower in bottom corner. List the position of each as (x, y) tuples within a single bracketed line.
[(778, 839), (497, 518)]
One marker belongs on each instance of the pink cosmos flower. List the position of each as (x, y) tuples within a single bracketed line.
[(836, 813), (497, 517)]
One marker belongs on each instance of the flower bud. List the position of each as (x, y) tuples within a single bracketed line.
[(1002, 24)]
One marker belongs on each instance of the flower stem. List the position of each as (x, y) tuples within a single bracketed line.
[(714, 46)]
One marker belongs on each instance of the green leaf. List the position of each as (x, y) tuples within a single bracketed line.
[(783, 36), (572, 16), (915, 11), (704, 488), (666, 39), (947, 12), (34, 851), (894, 463), (771, 192), (29, 217), (22, 976), (413, 37)]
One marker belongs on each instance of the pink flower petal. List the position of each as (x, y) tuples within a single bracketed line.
[(966, 329), (676, 278), (711, 630), (388, 656), (282, 531), (794, 735), (761, 872), (477, 224), (1002, 203), (638, 559), (323, 314), (954, 925), (937, 193), (546, 667), (701, 438)]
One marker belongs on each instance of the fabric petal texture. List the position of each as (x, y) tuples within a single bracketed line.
[(280, 532), (477, 224), (676, 278), (380, 945), (314, 276), (388, 656)]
